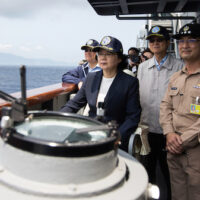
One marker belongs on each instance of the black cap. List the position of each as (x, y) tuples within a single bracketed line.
[(90, 44), (188, 30), (111, 44), (158, 31)]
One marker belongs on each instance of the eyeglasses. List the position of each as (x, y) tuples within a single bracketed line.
[(88, 50), (106, 54), (156, 40), (189, 41)]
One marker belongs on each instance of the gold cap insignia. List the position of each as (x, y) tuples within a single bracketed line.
[(186, 28), (89, 42), (105, 41)]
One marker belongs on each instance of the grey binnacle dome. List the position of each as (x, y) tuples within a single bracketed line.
[(60, 130)]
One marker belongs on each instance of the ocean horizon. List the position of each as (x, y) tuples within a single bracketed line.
[(36, 76)]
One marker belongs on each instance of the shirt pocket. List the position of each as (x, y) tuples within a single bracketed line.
[(175, 96), (193, 97)]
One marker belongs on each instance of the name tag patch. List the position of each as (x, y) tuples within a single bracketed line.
[(195, 109), (174, 88), (197, 86)]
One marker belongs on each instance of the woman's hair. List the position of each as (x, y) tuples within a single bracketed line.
[(146, 50), (124, 63)]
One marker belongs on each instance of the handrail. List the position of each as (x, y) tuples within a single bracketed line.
[(42, 94)]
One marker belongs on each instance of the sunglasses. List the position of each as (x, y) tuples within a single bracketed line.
[(88, 50), (106, 54), (156, 40)]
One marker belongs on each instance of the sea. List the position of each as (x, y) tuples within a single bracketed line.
[(36, 76)]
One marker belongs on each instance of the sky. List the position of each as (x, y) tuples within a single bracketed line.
[(56, 29)]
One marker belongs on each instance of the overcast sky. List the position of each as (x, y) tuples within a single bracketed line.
[(56, 29)]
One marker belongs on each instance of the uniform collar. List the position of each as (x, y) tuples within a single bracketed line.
[(184, 70), (85, 65)]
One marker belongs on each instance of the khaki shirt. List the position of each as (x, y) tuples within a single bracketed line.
[(175, 113), (153, 84)]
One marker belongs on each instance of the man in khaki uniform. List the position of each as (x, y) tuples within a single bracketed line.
[(180, 118)]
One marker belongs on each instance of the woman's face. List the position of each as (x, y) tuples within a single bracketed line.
[(148, 54), (108, 60)]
